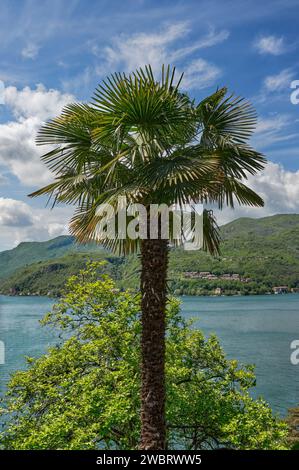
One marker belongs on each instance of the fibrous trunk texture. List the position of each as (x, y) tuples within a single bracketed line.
[(154, 259)]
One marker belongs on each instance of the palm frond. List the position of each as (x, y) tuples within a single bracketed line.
[(232, 190), (226, 120), (211, 233), (144, 139)]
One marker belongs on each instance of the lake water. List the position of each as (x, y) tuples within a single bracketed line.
[(253, 329)]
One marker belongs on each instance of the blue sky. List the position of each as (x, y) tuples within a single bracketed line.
[(54, 52)]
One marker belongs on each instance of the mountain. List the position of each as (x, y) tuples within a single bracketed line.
[(30, 252), (27, 253), (256, 255), (265, 250)]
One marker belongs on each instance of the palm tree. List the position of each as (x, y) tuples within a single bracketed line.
[(144, 139)]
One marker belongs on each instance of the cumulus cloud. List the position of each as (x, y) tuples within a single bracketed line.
[(278, 187), (18, 152), (21, 222), (272, 45), (40, 102), (14, 213)]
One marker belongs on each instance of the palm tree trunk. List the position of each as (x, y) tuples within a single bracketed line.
[(154, 261)]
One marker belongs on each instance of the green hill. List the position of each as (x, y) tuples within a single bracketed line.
[(30, 252), (48, 277), (256, 254), (264, 250)]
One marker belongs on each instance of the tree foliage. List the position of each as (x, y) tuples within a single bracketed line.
[(84, 393)]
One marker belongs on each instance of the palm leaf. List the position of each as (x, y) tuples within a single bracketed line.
[(144, 139)]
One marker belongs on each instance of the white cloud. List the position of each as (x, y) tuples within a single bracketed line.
[(18, 151), (276, 87), (272, 123), (21, 222), (14, 213), (211, 39), (278, 187), (40, 103), (273, 45), (200, 74), (280, 81), (273, 129), (30, 51), (130, 52)]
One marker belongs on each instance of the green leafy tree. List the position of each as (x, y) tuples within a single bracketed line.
[(144, 139), (84, 393), (292, 420)]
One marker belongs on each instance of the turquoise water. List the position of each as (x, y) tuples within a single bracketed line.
[(256, 330), (253, 329), (21, 332)]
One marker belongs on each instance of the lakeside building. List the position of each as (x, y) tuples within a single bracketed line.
[(280, 289), (207, 275)]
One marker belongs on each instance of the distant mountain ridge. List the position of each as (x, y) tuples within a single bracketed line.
[(27, 253), (266, 251)]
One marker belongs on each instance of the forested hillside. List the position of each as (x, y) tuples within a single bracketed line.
[(256, 255)]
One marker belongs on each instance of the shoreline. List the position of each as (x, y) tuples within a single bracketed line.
[(175, 295)]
